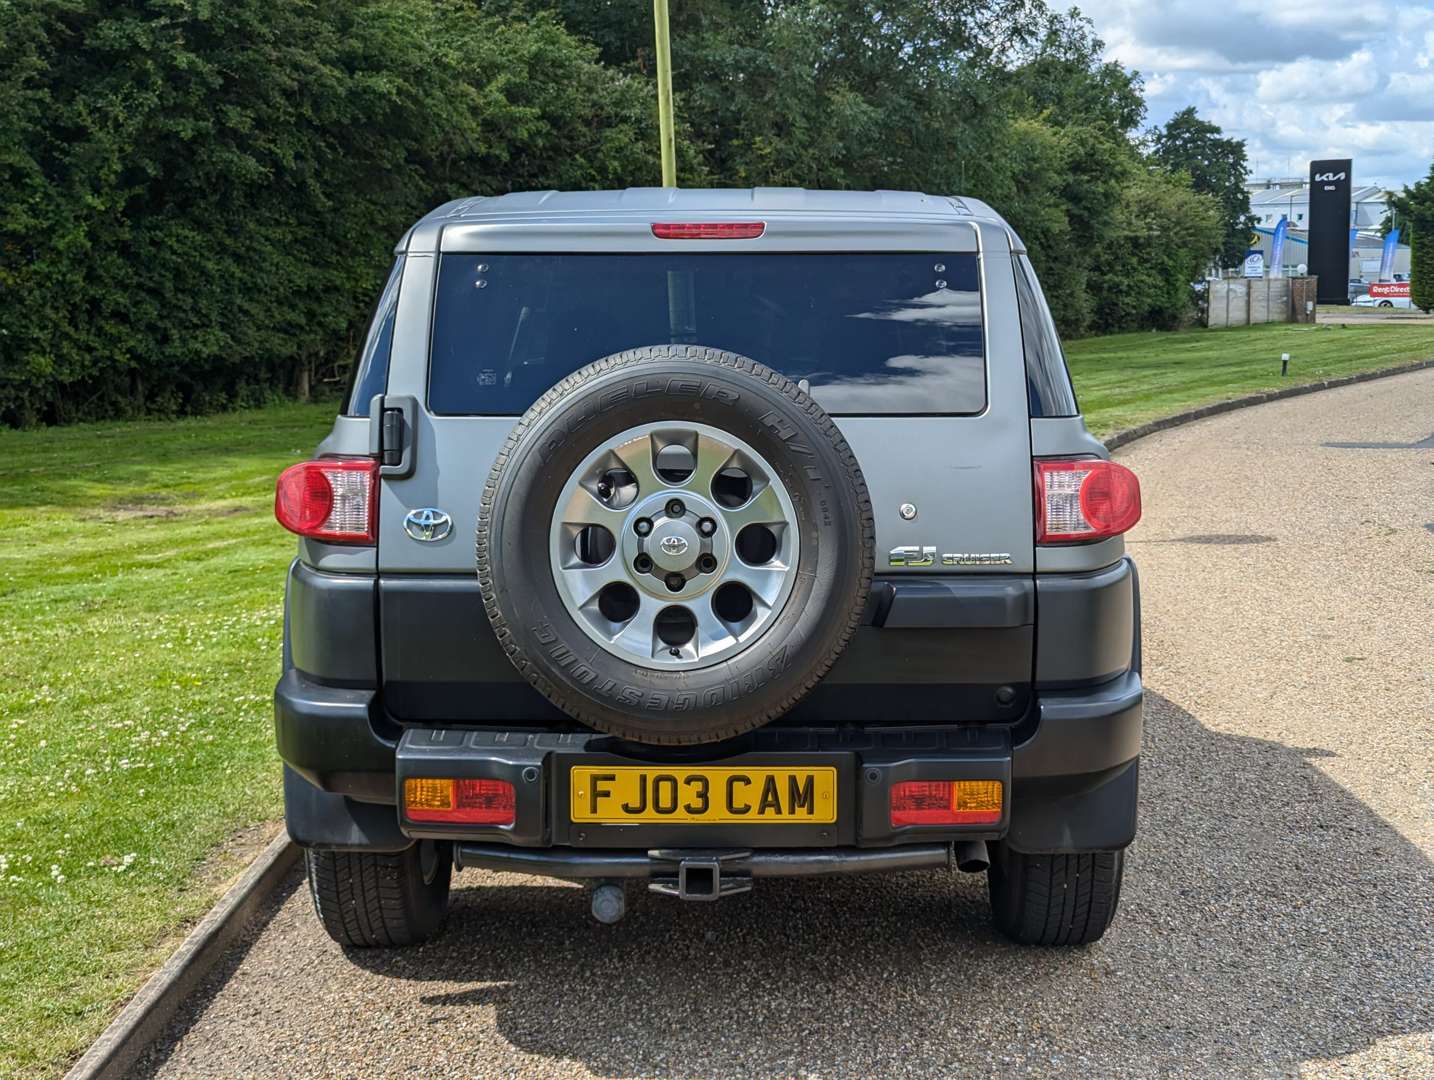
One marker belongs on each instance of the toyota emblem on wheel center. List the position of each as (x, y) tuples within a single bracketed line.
[(427, 524), (673, 545)]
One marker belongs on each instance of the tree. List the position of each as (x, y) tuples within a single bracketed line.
[(202, 199), (1159, 242), (1217, 166), (1003, 100), (1415, 209)]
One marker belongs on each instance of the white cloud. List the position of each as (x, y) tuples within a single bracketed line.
[(1296, 79), (1355, 77)]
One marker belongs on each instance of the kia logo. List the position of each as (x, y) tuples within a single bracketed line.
[(1328, 176)]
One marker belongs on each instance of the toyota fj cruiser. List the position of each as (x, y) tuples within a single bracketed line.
[(686, 538)]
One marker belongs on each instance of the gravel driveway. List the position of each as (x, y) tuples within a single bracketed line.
[(1278, 914)]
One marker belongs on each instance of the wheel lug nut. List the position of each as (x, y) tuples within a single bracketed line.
[(675, 508), (707, 564), (707, 526), (642, 526), (675, 582), (642, 564)]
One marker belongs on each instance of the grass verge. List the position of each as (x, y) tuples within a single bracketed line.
[(1127, 379), (140, 605)]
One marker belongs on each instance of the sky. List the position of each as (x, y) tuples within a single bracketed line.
[(1296, 79)]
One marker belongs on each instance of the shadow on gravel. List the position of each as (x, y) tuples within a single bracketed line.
[(1269, 917)]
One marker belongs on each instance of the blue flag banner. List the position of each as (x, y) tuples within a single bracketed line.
[(1353, 240), (1277, 248), (1386, 257)]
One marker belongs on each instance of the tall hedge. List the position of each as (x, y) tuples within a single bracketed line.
[(1414, 213), (200, 197), (1421, 264)]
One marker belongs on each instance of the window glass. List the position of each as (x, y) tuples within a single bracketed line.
[(870, 333), (1048, 382), (371, 371)]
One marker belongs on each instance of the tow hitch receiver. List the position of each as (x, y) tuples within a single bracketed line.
[(698, 875)]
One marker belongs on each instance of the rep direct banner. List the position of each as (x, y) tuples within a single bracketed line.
[(1329, 231)]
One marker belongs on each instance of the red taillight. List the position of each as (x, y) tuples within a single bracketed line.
[(330, 499), (1084, 500), (461, 802), (946, 802), (708, 230)]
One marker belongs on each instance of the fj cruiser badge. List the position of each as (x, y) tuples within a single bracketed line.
[(918, 555), (427, 524)]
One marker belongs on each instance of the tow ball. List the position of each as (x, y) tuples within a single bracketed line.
[(609, 902)]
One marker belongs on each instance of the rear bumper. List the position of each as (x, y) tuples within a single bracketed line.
[(1070, 780), (578, 865), (1070, 769)]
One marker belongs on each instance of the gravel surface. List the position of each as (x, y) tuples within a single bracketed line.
[(1278, 912)]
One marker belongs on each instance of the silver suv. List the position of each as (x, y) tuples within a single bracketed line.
[(685, 538)]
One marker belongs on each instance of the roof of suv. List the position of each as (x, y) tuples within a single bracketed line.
[(715, 200), (585, 211)]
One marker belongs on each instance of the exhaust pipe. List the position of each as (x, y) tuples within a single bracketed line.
[(972, 856)]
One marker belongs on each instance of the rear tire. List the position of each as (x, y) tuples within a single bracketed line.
[(381, 899), (1054, 899)]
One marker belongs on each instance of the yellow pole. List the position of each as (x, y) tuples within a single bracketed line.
[(664, 95)]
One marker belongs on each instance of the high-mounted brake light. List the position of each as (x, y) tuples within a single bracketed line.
[(708, 230), (1083, 500), (331, 499), (946, 802), (461, 802)]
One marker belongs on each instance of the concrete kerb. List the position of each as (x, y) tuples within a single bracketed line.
[(140, 1021)]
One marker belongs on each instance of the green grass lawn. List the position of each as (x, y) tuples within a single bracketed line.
[(141, 582), (1126, 379)]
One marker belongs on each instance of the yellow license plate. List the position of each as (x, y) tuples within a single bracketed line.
[(622, 794)]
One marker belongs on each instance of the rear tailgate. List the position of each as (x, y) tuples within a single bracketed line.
[(950, 629)]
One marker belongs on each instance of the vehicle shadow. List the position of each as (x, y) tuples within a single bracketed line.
[(1268, 918)]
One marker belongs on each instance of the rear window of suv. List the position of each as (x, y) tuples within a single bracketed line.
[(871, 334)]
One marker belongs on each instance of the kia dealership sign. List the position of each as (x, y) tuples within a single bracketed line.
[(1329, 232)]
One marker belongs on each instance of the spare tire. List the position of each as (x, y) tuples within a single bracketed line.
[(675, 544)]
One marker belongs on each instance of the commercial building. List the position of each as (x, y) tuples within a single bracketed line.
[(1288, 197)]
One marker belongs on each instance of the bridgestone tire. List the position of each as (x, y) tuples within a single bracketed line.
[(376, 900), (1054, 899), (733, 695)]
